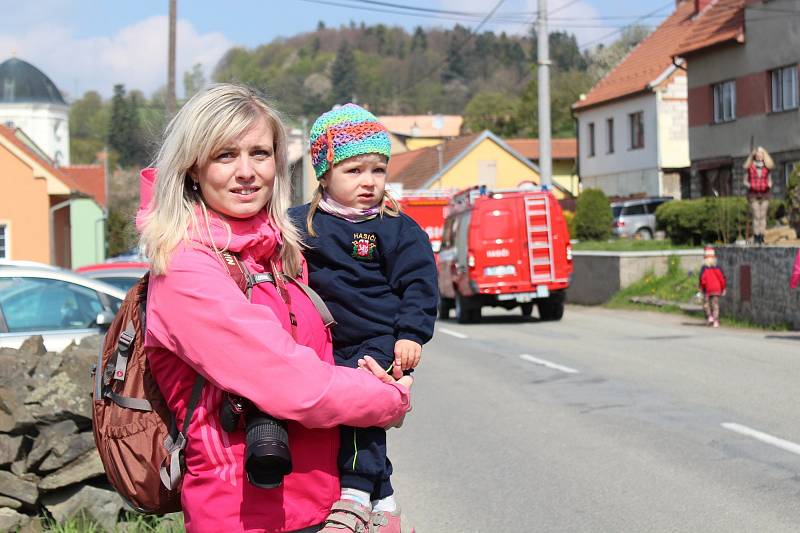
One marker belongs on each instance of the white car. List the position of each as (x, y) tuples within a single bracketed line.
[(59, 305)]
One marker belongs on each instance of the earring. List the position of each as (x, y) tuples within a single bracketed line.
[(194, 186)]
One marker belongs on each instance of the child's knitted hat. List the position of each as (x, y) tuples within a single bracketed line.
[(708, 251), (345, 132)]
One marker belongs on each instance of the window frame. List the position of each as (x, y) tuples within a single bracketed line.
[(592, 139), (636, 130), (5, 237), (778, 89), (610, 135), (719, 101)]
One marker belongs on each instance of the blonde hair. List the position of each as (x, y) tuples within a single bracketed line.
[(388, 206), (710, 261), (767, 159), (204, 125)]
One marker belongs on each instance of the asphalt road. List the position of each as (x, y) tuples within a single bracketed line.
[(608, 421)]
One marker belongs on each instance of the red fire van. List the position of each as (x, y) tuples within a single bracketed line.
[(504, 248)]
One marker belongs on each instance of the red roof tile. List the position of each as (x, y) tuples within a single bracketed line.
[(559, 148), (414, 168), (423, 125), (719, 22), (9, 134), (90, 180), (646, 62)]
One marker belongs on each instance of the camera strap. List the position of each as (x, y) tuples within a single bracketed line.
[(280, 284)]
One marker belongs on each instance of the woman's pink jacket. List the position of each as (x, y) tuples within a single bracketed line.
[(198, 320)]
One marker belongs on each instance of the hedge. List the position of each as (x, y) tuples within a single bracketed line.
[(705, 220)]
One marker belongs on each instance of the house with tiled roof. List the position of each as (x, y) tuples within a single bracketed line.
[(409, 132), (564, 153), (477, 159), (46, 214), (742, 91), (632, 125)]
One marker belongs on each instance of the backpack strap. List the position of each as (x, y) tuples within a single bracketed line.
[(322, 309), (176, 440)]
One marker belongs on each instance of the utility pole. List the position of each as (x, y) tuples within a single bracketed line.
[(543, 70), (170, 103)]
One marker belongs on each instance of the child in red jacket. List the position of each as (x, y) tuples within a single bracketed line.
[(712, 283)]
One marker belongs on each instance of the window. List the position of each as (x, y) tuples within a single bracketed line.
[(784, 88), (591, 139), (636, 126), (725, 101), (32, 304), (610, 135), (636, 209), (3, 241)]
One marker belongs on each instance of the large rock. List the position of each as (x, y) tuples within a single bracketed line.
[(12, 503), (101, 505), (50, 436), (9, 448), (67, 394), (67, 451), (86, 467), (16, 487), (14, 415), (10, 520)]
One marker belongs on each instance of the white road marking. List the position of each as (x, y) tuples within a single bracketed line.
[(787, 445), (453, 333), (548, 364)]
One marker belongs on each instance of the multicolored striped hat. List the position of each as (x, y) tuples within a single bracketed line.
[(344, 132)]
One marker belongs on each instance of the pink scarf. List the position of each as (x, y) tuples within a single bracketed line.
[(351, 214)]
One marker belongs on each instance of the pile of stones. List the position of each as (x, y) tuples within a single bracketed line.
[(48, 462)]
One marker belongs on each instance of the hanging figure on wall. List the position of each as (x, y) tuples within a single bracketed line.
[(758, 182)]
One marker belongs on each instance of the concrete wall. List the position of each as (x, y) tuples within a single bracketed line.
[(597, 276), (769, 301)]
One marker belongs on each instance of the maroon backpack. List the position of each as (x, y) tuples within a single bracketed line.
[(136, 434)]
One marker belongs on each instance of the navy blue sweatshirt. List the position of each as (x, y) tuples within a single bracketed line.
[(378, 277)]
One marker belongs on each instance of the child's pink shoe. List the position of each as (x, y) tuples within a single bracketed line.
[(386, 522), (716, 323), (347, 516), (711, 321)]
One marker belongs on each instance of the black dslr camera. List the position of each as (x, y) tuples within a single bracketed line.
[(267, 457)]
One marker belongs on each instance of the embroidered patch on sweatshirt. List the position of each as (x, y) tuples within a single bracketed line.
[(364, 246)]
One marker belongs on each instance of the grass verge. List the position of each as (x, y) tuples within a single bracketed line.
[(131, 523), (626, 245)]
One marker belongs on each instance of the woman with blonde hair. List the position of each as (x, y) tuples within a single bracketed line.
[(221, 190), (758, 182)]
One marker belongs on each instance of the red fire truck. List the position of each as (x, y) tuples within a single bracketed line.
[(504, 248), (427, 207)]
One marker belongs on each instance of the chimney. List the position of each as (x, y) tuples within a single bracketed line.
[(700, 5)]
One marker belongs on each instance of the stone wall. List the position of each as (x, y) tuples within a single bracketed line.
[(597, 276), (758, 285), (49, 465)]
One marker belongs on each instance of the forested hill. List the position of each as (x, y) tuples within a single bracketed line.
[(489, 78)]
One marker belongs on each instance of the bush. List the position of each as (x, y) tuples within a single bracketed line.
[(593, 217), (709, 219), (569, 218)]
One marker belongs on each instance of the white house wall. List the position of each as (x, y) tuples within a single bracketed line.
[(46, 124), (625, 171)]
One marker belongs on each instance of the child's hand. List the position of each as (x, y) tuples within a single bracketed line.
[(407, 354)]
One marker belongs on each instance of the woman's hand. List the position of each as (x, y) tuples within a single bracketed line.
[(371, 365)]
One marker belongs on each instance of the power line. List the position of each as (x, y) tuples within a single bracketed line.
[(461, 46), (603, 37)]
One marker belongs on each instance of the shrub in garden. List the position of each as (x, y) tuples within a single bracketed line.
[(593, 216), (709, 219), (569, 218)]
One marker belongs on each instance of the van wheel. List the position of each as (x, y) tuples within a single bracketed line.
[(465, 311), (551, 309), (445, 305), (644, 234), (527, 310)]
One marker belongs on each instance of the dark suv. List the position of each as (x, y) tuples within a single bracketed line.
[(636, 218)]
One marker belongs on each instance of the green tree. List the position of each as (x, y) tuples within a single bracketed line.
[(88, 126), (456, 65), (343, 75), (193, 80), (593, 216), (603, 58), (493, 111), (419, 42), (119, 127)]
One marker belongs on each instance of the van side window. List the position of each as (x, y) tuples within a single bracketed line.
[(447, 233), (633, 210), (651, 208)]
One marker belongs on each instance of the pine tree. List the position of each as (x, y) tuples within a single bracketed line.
[(343, 75), (419, 42), (119, 127)]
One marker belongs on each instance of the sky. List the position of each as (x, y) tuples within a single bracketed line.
[(87, 45)]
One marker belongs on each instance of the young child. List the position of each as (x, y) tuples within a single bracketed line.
[(712, 283), (374, 268)]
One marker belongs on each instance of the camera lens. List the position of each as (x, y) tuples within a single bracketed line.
[(267, 459)]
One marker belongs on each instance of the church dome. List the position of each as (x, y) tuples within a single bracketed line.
[(21, 82)]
